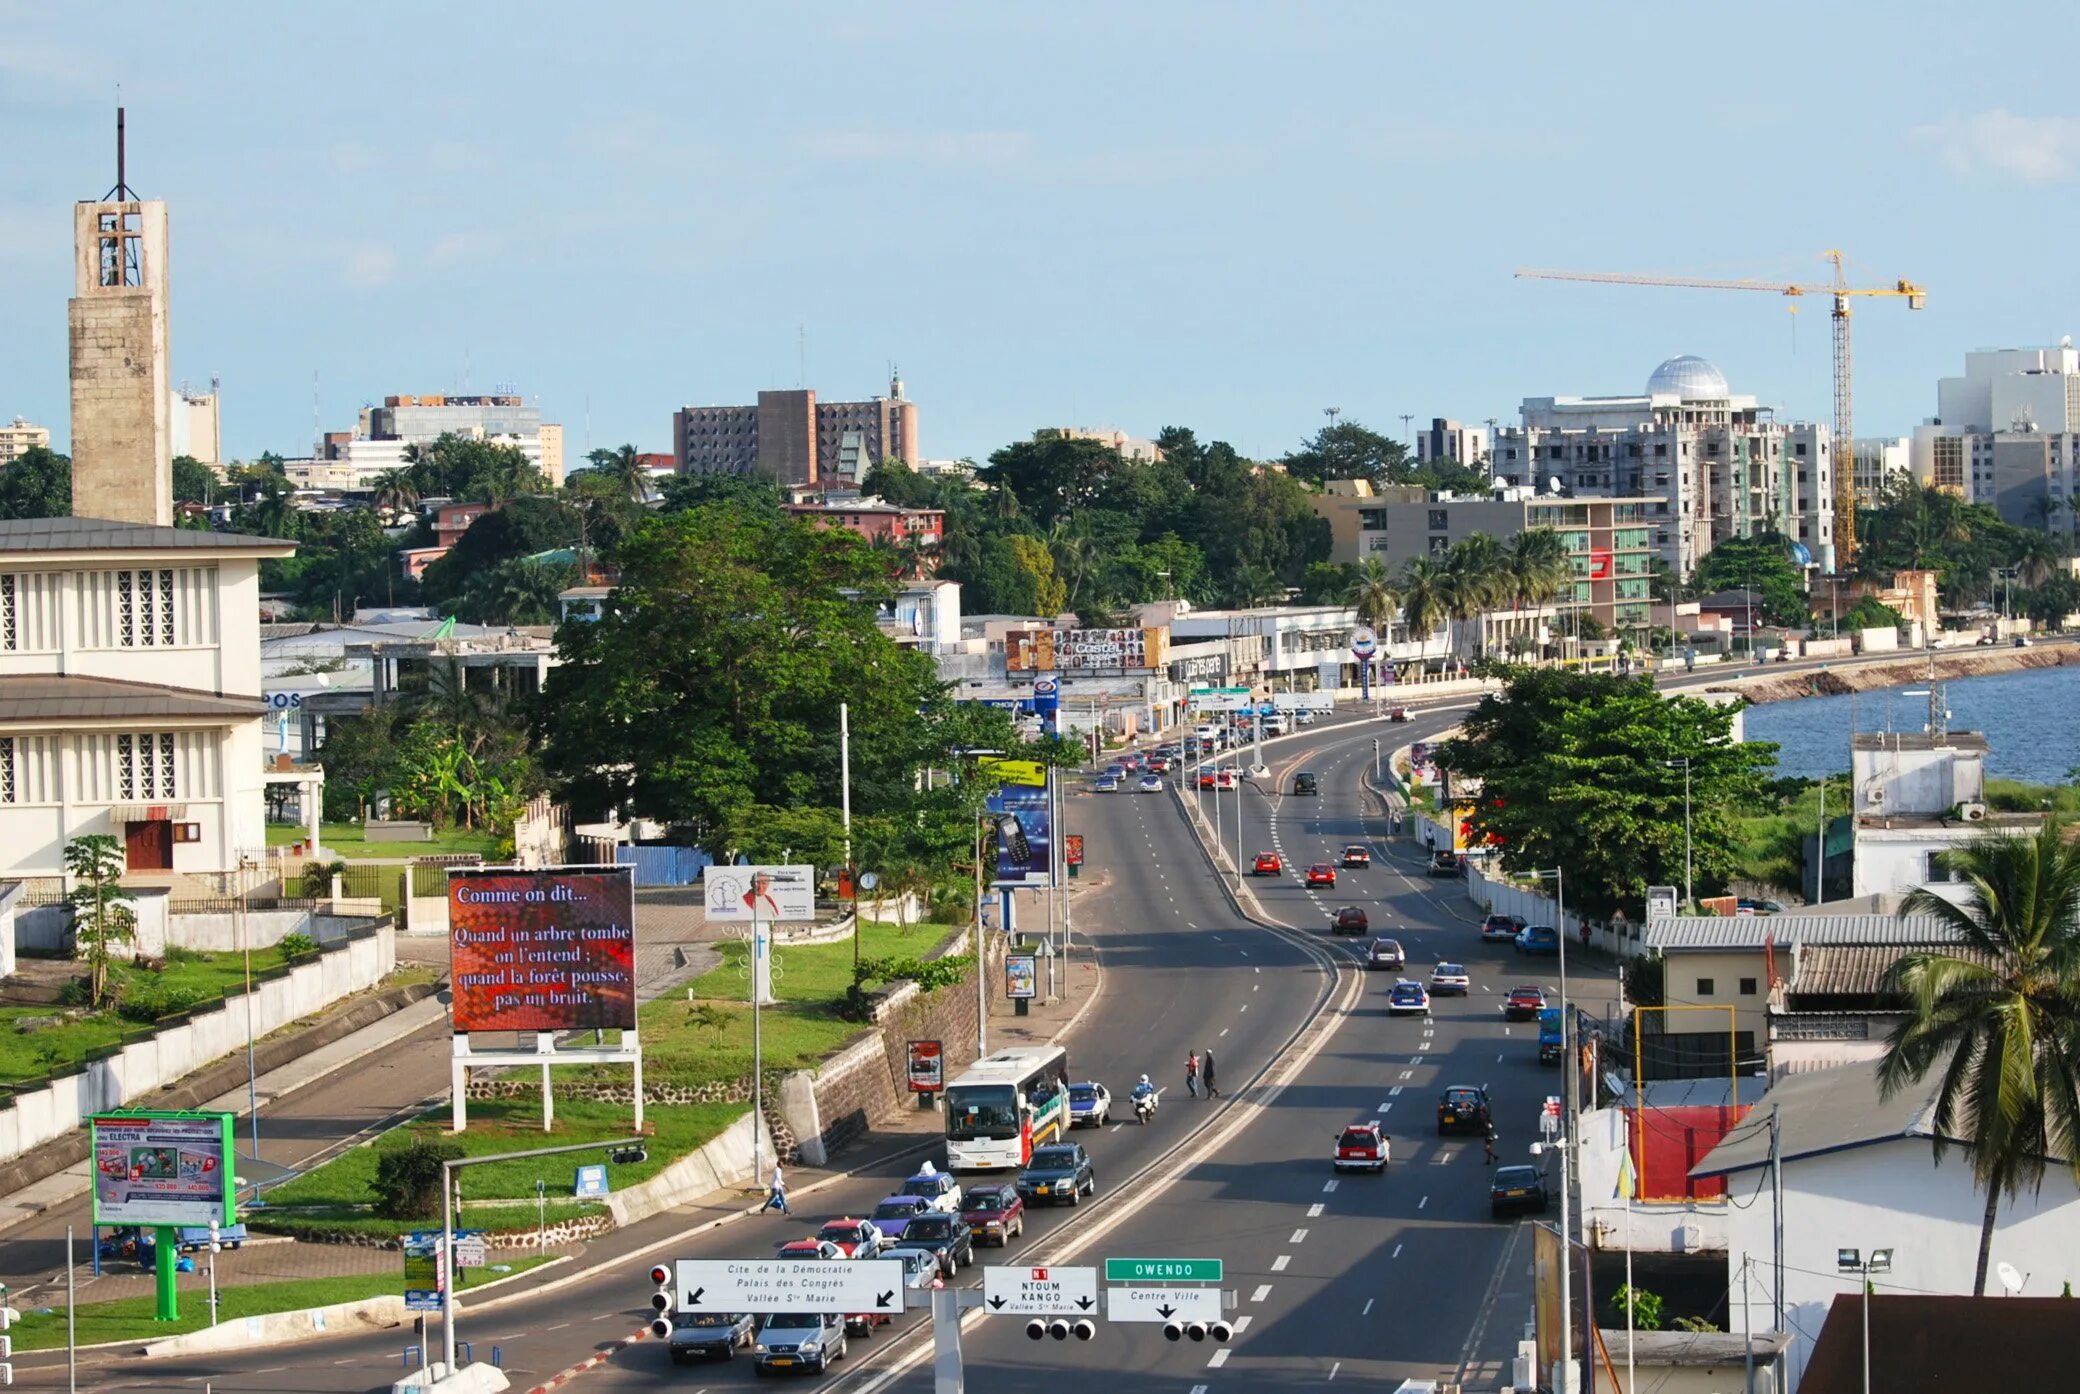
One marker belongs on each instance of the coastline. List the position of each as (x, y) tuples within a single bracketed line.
[(1868, 677)]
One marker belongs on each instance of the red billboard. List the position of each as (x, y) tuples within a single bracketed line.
[(546, 950)]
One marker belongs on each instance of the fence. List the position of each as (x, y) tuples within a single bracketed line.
[(664, 866)]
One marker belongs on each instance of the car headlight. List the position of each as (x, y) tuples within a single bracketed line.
[(760, 1348), (808, 1347)]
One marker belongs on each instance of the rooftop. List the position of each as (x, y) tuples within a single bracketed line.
[(106, 535), (1825, 1111), (1854, 970), (1943, 1343), (1703, 1348), (1752, 931), (1973, 741), (50, 697)]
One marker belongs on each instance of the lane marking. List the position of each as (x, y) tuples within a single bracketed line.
[(1384, 1107), (1224, 1031), (1328, 1186), (1299, 1237), (1278, 1265), (1408, 1074), (1263, 1291), (1368, 1308), (1220, 1358), (1334, 1368), (1396, 1253), (1242, 1324), (1395, 1092), (1423, 1202), (1314, 1211)]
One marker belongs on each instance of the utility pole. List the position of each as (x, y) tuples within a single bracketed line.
[(1776, 1189), (1406, 418)]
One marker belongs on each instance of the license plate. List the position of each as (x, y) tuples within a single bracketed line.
[(781, 1360), (1513, 1195), (1042, 1190)]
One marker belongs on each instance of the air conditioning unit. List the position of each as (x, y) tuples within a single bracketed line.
[(1875, 794), (1972, 812)]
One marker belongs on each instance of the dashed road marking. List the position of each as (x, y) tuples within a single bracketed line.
[(1220, 1358), (1242, 1324), (1368, 1308), (1328, 1186), (1334, 1368), (1395, 1092), (1263, 1291), (1314, 1211), (1423, 1202), (1278, 1265), (1299, 1237), (1396, 1253), (1224, 1031)]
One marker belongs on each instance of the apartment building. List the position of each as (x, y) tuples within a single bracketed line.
[(385, 433), (2007, 434), (790, 436), (19, 437), (1453, 441)]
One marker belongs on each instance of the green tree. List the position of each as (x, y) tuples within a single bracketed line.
[(193, 481), (396, 491), (2051, 602), (1539, 568), (1477, 577), (480, 471), (518, 590), (1583, 771), (1372, 595), (1869, 612), (408, 1179), (624, 466), (1348, 450), (101, 913), (36, 484), (1762, 564), (1425, 598), (1051, 475), (755, 492), (521, 528), (1997, 1019)]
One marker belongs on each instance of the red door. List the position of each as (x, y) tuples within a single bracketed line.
[(148, 846)]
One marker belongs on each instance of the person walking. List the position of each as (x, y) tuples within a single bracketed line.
[(777, 1199), (1206, 1074), (1191, 1074), (1488, 1144), (1585, 934)]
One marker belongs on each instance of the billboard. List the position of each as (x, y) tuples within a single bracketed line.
[(552, 949), (741, 894), (927, 1067), (1072, 650), (1021, 976), (1023, 833), (162, 1169)]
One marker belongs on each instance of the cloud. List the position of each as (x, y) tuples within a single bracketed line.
[(975, 149), (2038, 149), (370, 264)]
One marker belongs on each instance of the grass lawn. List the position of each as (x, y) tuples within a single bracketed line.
[(26, 1057), (338, 1195), (130, 1318), (344, 840)]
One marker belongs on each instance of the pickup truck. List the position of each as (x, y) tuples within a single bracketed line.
[(1550, 1044)]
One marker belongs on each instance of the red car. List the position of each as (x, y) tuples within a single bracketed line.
[(854, 1238), (1159, 764), (994, 1214), (1357, 855), (1524, 1003), (1206, 779), (1268, 864), (1321, 874), (1360, 1147)]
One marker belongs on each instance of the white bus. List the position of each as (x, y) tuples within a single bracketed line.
[(1004, 1106)]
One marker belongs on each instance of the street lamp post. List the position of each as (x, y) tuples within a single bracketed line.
[(1563, 1379), (981, 950), (1853, 1261), (1689, 898)]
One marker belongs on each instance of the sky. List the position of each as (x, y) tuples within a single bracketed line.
[(1224, 216)]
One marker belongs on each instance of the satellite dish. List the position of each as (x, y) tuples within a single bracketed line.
[(2010, 1279)]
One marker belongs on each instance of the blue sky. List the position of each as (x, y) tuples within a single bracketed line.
[(1224, 216)]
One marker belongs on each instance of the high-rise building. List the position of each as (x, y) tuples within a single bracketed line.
[(1712, 464), (386, 431), (1878, 462), (2007, 434), (21, 436), (197, 430), (122, 402), (1449, 440), (791, 437)]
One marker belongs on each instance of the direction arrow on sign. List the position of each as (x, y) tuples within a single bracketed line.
[(1039, 1292), (1162, 1304), (778, 1285), (1163, 1270)]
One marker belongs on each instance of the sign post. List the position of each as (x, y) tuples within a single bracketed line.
[(1364, 643), (163, 1172), (927, 1071), (1039, 1292), (774, 1285)]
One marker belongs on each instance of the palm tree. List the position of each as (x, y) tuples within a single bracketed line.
[(396, 491), (1477, 577), (1999, 1016), (1539, 567), (1424, 598), (2036, 558), (625, 467), (1372, 595)]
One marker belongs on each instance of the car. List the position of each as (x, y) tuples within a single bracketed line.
[(1462, 1108), (995, 1214), (1349, 920), (2022, 641), (1159, 764), (1516, 1189), (709, 1335), (1268, 864), (1408, 998), (1058, 1171), (1450, 980), (1090, 1102), (1501, 929), (1305, 784), (935, 1186), (1130, 762), (1745, 906), (1399, 714), (948, 1236), (1386, 953), (1116, 770), (854, 1238), (892, 1214), (1206, 778), (1360, 1147), (1107, 784), (799, 1341), (1150, 784), (1321, 874), (818, 1250), (920, 1265), (1539, 941), (1524, 1002), (1303, 716), (1227, 779), (1357, 855), (1447, 863)]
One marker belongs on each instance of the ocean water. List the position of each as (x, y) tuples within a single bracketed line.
[(2031, 720)]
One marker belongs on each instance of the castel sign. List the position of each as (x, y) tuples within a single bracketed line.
[(1084, 650)]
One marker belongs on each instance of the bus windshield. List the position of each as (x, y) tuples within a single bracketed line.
[(982, 1111)]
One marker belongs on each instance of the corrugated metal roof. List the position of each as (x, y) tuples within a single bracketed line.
[(1826, 1111), (49, 697), (1856, 969), (106, 535), (1749, 931)]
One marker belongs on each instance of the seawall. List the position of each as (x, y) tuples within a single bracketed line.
[(1764, 686)]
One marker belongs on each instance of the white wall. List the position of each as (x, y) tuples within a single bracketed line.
[(139, 1069), (1894, 1196), (1890, 861)]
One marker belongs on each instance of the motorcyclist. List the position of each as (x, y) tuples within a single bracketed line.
[(1145, 1091)]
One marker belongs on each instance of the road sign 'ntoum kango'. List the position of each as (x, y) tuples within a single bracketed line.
[(775, 1285), (1162, 1270), (1039, 1292)]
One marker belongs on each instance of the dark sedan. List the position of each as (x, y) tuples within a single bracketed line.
[(1059, 1172), (1516, 1190), (994, 1214), (946, 1235)]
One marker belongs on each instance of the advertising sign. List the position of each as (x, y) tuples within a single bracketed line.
[(1071, 650), (1205, 667), (1021, 976), (162, 1169), (1023, 831), (552, 949), (927, 1067), (738, 894), (589, 1180), (1072, 849), (425, 1270), (1029, 772), (1364, 643)]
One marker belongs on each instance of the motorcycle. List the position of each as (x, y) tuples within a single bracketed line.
[(1144, 1105)]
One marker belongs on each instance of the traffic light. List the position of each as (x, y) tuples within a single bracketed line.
[(7, 1316), (628, 1156), (1220, 1330), (661, 1302)]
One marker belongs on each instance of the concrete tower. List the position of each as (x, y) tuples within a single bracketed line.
[(122, 427)]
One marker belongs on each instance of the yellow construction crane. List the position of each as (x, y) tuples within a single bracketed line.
[(1844, 415)]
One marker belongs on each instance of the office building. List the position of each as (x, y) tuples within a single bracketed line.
[(791, 437), (2007, 434), (1878, 462), (197, 429), (1129, 447), (1451, 441), (1709, 464), (386, 432), (20, 436)]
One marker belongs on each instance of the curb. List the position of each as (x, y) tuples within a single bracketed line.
[(563, 1377)]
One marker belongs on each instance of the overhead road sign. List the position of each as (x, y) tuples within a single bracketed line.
[(1304, 701), (777, 1285), (1163, 1270), (1039, 1292), (1163, 1304)]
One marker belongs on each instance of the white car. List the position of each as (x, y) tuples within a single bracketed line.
[(1304, 716), (1450, 980), (935, 1186), (1151, 784)]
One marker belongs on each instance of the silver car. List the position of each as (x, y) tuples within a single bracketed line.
[(1151, 784)]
